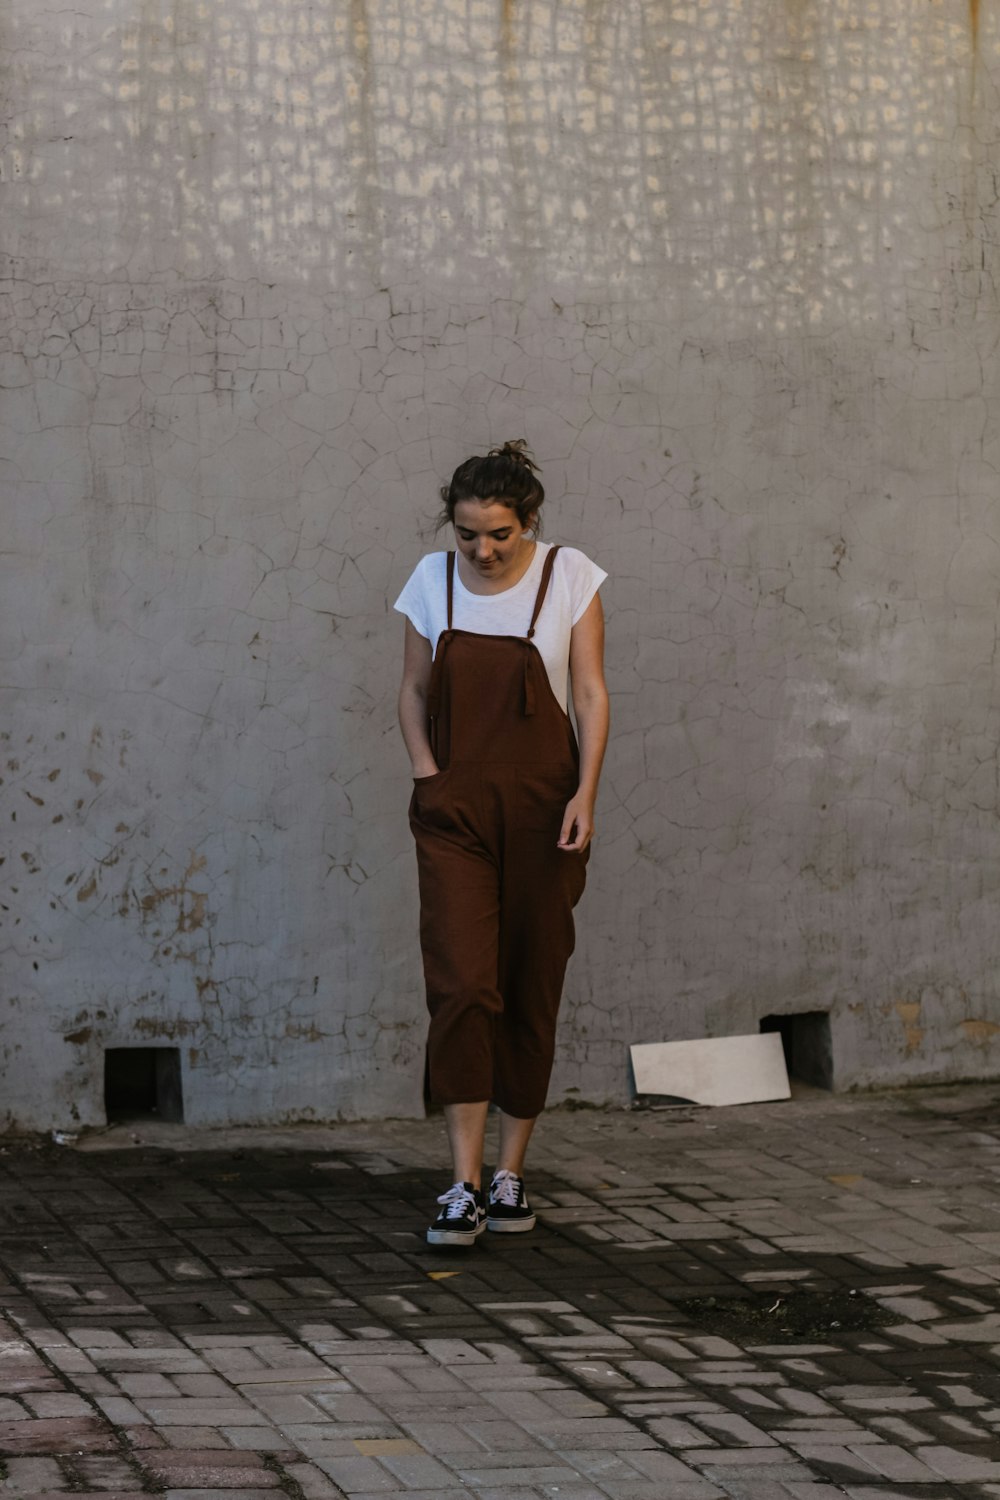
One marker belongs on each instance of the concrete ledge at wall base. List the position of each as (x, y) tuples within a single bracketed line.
[(713, 1070)]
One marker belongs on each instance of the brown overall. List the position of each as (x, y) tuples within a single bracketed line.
[(496, 892)]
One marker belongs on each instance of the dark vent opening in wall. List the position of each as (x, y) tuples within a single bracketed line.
[(143, 1083), (807, 1044)]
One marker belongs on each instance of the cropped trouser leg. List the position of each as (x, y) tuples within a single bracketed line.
[(540, 885), (459, 937), (496, 930)]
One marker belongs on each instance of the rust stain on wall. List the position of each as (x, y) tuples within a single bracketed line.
[(974, 22), (981, 1031), (192, 904), (909, 1013), (86, 891)]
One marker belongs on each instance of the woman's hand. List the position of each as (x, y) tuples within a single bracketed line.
[(577, 824)]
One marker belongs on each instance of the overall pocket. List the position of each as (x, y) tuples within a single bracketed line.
[(430, 803), (542, 795)]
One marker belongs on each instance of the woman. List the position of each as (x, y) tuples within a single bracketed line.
[(502, 812)]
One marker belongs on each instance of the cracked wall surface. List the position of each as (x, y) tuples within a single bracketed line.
[(269, 272)]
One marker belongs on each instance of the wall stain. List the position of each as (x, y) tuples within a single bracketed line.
[(909, 1013), (190, 916), (981, 1032), (159, 1026), (79, 1037), (301, 1032)]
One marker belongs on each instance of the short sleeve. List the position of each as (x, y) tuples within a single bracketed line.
[(585, 578), (412, 602)]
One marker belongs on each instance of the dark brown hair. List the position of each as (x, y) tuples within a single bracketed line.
[(507, 475)]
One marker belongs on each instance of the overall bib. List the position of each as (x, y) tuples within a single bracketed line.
[(496, 893)]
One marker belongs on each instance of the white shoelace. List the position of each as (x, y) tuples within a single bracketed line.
[(458, 1201), (504, 1188)]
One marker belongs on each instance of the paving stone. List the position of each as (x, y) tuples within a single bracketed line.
[(312, 1482), (56, 1435), (357, 1475), (418, 1471), (729, 1428), (807, 1489), (192, 1437), (408, 1494), (57, 1404), (78, 1494), (673, 1433), (959, 1465), (895, 1463), (195, 1412), (523, 1474), (205, 1476), (212, 1494), (896, 1492), (28, 1476), (644, 1489)]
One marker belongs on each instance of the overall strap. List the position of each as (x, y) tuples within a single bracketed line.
[(434, 690), (529, 686), (542, 589)]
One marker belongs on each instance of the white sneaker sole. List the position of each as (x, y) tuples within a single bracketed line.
[(511, 1226), (454, 1236)]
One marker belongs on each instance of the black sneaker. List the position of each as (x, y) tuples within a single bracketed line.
[(508, 1210), (462, 1218)]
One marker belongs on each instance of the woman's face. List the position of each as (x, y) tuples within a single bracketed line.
[(489, 536)]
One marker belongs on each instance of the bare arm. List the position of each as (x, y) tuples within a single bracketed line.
[(417, 657), (590, 705)]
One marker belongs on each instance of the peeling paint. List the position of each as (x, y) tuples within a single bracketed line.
[(149, 1027)]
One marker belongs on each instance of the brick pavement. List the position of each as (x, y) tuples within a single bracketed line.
[(256, 1314)]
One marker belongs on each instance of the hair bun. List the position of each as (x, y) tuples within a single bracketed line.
[(515, 449)]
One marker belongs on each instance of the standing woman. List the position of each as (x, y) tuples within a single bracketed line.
[(502, 812)]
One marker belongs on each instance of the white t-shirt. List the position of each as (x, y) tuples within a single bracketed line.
[(574, 582)]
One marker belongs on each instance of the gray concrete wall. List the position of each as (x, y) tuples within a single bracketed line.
[(271, 270)]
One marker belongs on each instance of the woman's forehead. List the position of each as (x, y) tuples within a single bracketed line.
[(484, 515)]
